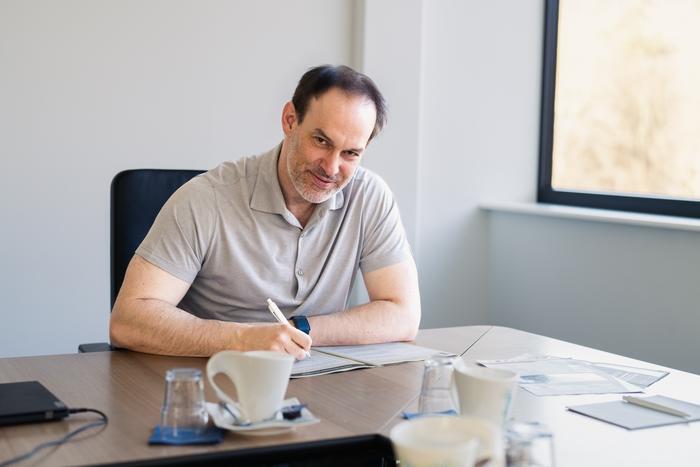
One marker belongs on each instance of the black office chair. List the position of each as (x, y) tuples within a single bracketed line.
[(136, 197)]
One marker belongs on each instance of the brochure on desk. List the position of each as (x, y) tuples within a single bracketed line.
[(546, 375), (325, 360)]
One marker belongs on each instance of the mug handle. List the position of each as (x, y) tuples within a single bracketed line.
[(213, 369)]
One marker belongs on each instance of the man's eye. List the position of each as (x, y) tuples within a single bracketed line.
[(320, 140)]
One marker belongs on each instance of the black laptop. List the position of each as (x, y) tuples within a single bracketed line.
[(29, 401)]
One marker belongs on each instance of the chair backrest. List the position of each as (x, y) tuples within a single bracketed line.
[(136, 198)]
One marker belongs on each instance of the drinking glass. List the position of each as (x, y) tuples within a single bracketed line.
[(184, 412), (437, 394), (529, 444)]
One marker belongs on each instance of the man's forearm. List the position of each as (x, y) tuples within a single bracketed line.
[(371, 323), (155, 326)]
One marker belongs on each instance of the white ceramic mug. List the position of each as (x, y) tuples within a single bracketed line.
[(261, 378), (484, 392), (447, 442)]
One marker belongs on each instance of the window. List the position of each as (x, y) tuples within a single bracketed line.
[(621, 105)]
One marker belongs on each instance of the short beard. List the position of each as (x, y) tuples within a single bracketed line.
[(309, 194)]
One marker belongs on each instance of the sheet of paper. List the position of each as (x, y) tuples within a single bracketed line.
[(321, 363), (383, 354), (578, 383), (642, 377), (553, 376)]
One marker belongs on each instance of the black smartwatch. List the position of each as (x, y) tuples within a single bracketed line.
[(302, 324)]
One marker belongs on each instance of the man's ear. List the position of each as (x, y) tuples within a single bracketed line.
[(289, 118)]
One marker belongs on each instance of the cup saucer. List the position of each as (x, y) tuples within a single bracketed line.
[(224, 420)]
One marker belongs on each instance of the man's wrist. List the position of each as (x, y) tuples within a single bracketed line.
[(235, 333)]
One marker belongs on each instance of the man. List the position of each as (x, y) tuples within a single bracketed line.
[(294, 224)]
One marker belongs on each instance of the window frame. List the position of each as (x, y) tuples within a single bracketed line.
[(545, 192)]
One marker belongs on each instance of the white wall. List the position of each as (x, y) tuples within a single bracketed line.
[(461, 129), (388, 48), (626, 289), (88, 88), (392, 56), (479, 122)]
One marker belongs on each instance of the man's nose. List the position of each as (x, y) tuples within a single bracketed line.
[(331, 163)]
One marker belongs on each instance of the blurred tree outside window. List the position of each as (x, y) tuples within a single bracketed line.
[(627, 98)]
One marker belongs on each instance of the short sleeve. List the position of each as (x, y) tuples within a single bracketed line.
[(181, 234), (384, 238)]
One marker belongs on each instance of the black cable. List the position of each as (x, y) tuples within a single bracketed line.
[(58, 442)]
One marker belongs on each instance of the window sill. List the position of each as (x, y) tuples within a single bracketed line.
[(596, 215)]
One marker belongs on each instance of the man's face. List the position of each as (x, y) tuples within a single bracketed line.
[(323, 152)]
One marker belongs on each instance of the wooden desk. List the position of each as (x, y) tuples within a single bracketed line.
[(128, 386)]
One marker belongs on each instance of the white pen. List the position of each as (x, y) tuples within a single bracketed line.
[(655, 406), (277, 313)]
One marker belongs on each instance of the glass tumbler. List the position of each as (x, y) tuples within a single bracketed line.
[(529, 444), (184, 412), (437, 394)]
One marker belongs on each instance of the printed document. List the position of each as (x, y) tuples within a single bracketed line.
[(326, 360), (553, 376)]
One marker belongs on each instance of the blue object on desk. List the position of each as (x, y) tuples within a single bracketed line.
[(411, 415), (292, 412), (164, 435)]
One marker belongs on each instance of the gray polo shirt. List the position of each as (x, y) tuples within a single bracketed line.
[(229, 233)]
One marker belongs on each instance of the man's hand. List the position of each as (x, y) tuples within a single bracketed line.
[(273, 336)]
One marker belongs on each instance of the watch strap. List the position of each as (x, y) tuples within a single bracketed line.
[(302, 324)]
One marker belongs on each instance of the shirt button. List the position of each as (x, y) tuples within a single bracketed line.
[(300, 272), (302, 235)]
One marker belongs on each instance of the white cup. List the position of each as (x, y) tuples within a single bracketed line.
[(260, 378), (447, 442), (484, 392)]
